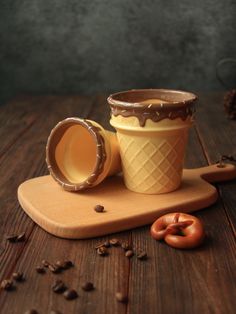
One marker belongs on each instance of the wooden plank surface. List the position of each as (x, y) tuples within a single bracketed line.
[(170, 281)]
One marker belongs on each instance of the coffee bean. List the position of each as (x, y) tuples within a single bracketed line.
[(126, 246), (99, 208), (40, 270), (142, 255), (31, 312), (18, 276), (12, 238), (120, 297), (55, 312), (70, 294), (107, 244), (59, 286), (102, 251), (104, 244), (60, 264), (129, 253), (114, 242), (67, 264), (88, 286), (7, 284), (54, 269), (99, 245), (21, 237), (45, 263)]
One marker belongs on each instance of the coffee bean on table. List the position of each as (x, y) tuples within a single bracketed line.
[(70, 294), (12, 237), (142, 255), (18, 276), (114, 242), (88, 286), (67, 264), (107, 244), (45, 263), (21, 237), (126, 246), (59, 286), (120, 297), (7, 284), (102, 251), (54, 269), (129, 253), (99, 208), (40, 270), (31, 312)]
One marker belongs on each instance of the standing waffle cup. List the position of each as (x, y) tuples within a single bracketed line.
[(152, 129), (81, 153)]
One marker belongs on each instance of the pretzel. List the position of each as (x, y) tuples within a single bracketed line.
[(179, 230)]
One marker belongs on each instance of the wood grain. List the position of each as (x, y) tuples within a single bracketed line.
[(170, 281)]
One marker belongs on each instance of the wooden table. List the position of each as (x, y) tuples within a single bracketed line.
[(170, 281)]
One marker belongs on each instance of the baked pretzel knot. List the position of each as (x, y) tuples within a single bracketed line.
[(179, 230)]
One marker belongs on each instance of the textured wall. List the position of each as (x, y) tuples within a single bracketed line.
[(58, 46)]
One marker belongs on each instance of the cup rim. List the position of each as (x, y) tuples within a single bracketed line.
[(54, 139), (118, 99)]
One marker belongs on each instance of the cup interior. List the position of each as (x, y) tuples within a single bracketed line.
[(72, 153)]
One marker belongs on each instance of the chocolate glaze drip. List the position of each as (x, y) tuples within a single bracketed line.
[(155, 114), (54, 139)]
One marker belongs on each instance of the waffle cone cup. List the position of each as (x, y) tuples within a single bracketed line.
[(80, 154), (152, 149)]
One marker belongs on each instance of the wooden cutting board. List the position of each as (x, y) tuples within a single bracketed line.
[(72, 215)]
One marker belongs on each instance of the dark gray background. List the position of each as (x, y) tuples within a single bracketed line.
[(86, 46)]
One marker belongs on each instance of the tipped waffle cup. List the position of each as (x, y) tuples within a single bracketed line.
[(81, 153)]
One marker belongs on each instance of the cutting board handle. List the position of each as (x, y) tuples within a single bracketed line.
[(214, 173)]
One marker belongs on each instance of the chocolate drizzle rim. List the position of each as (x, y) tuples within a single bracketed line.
[(155, 112), (54, 138)]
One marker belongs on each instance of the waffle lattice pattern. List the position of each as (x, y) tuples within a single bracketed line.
[(152, 165)]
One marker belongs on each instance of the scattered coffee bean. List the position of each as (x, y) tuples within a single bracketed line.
[(129, 253), (12, 238), (21, 237), (102, 251), (18, 276), (60, 264), (67, 264), (70, 294), (126, 246), (107, 244), (99, 245), (55, 312), (114, 242), (120, 297), (59, 286), (88, 286), (99, 208), (142, 255), (31, 312), (7, 284), (54, 269), (40, 270), (45, 263)]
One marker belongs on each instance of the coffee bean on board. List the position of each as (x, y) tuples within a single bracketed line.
[(99, 208)]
